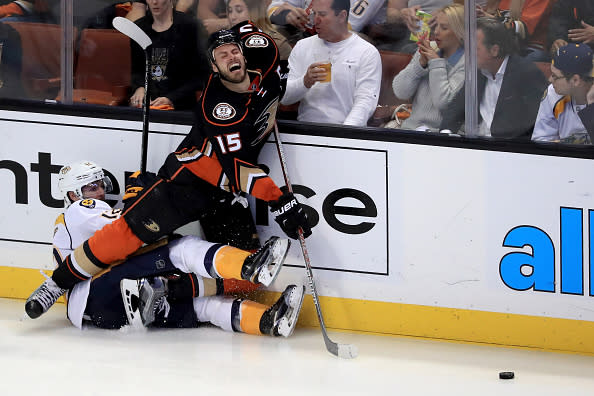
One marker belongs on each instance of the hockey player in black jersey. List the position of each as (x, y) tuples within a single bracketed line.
[(215, 162)]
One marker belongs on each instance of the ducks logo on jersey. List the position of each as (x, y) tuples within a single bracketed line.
[(151, 225)]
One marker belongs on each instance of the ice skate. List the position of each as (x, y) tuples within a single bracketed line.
[(281, 318), (131, 299), (264, 265), (43, 298), (152, 298)]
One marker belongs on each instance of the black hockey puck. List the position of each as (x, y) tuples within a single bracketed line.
[(506, 375)]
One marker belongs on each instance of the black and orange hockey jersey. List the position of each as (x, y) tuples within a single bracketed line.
[(231, 128)]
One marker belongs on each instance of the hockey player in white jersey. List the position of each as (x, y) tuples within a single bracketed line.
[(175, 284)]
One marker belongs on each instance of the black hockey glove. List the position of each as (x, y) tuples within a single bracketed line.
[(289, 214), (136, 183)]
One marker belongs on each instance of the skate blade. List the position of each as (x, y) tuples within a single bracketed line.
[(129, 289), (278, 254), (286, 325)]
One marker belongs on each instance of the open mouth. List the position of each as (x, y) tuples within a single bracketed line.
[(234, 67)]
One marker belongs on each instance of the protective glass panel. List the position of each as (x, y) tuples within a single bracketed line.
[(30, 38)]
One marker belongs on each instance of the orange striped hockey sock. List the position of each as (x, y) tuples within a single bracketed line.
[(251, 314)]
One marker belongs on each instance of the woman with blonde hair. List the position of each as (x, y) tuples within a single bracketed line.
[(255, 11), (436, 71)]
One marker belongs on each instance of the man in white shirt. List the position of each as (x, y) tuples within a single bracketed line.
[(350, 98), (571, 79)]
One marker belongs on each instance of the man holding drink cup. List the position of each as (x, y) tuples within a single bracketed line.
[(335, 75), (320, 71)]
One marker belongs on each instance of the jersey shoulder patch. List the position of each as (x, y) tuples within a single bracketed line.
[(256, 41), (88, 203)]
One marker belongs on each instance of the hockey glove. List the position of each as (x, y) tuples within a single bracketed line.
[(137, 182), (289, 214)]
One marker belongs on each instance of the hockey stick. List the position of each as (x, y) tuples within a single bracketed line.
[(136, 34), (345, 351)]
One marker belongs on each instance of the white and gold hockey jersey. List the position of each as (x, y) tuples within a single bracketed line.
[(188, 254), (557, 117), (77, 224)]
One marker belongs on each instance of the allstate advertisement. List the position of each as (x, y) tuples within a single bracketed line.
[(394, 222)]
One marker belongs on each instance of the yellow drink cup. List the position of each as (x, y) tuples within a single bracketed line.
[(327, 66)]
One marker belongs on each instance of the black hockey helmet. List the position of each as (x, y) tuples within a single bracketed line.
[(222, 37)]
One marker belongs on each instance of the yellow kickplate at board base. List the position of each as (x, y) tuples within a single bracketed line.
[(441, 323), (20, 282)]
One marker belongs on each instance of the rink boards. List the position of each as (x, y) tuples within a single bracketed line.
[(424, 238)]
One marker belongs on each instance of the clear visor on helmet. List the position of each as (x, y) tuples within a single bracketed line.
[(95, 185)]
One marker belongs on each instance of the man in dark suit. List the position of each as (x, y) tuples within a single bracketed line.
[(509, 87)]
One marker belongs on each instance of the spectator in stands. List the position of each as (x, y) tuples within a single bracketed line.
[(434, 76), (407, 10), (298, 13), (11, 59), (509, 87), (571, 21), (255, 10), (15, 10), (402, 19), (212, 13), (177, 57), (294, 18), (138, 8), (351, 96), (93, 15), (528, 19), (571, 80), (23, 11)]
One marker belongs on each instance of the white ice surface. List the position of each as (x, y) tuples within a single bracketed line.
[(48, 356)]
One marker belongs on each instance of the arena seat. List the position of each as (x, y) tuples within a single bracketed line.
[(40, 71), (102, 72), (392, 64)]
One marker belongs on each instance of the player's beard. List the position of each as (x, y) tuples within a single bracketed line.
[(227, 76)]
